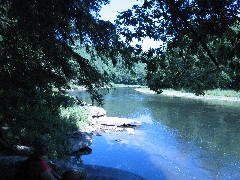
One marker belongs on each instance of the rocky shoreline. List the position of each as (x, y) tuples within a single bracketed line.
[(100, 123), (80, 142)]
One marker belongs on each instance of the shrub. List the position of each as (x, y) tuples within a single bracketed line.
[(43, 120), (76, 114)]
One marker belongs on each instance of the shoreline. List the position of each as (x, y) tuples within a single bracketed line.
[(9, 166), (190, 95), (172, 93)]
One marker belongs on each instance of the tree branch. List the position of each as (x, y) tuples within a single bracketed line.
[(176, 11)]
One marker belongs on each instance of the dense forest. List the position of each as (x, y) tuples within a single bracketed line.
[(45, 46)]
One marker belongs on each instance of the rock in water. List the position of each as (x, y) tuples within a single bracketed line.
[(96, 112), (80, 140), (115, 121)]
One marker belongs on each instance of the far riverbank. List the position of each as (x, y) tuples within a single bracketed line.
[(181, 94)]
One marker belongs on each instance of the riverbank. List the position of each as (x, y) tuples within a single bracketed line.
[(97, 123), (181, 94)]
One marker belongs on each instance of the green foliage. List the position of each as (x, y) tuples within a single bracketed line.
[(39, 56), (189, 68), (38, 61), (120, 74), (42, 120), (201, 43), (77, 115)]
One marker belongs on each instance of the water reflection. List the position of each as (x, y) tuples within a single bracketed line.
[(179, 139), (210, 127), (213, 129)]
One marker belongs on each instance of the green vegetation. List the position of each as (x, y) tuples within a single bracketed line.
[(38, 61), (46, 46), (120, 74), (225, 93), (215, 92), (76, 115), (56, 125), (201, 42)]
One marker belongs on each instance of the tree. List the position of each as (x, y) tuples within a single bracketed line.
[(193, 31), (38, 61)]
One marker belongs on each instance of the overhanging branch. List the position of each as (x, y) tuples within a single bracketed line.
[(174, 10)]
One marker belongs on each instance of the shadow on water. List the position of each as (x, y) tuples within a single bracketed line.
[(179, 138), (108, 152)]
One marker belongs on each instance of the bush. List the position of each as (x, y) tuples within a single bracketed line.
[(76, 114), (43, 120)]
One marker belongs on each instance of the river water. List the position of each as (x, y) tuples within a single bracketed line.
[(179, 138)]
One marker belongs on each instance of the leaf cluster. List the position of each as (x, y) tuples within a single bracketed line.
[(38, 60), (200, 42)]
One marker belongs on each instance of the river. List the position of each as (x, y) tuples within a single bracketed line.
[(179, 138)]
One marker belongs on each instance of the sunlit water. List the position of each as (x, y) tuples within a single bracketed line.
[(179, 138)]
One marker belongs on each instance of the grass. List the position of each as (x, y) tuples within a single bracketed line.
[(215, 92), (76, 114), (225, 93)]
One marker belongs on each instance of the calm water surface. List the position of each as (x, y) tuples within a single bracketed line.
[(179, 138)]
